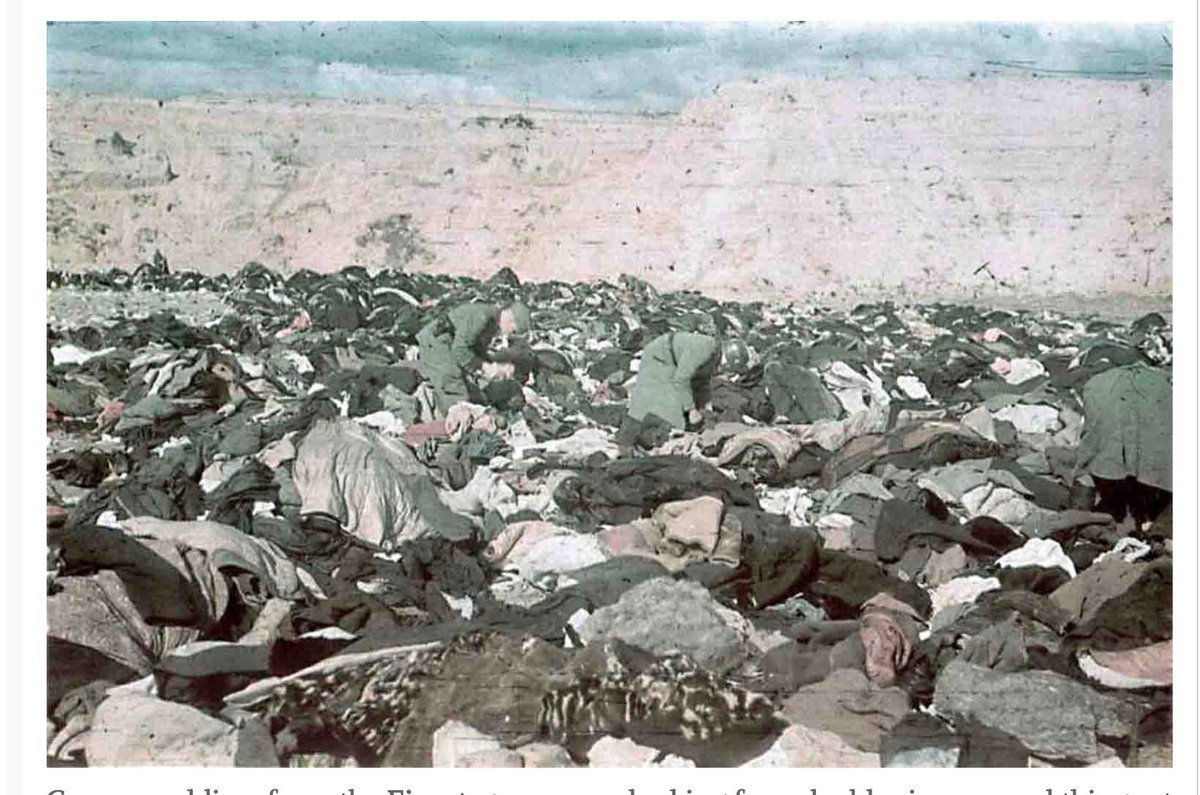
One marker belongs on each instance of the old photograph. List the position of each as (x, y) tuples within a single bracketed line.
[(785, 394)]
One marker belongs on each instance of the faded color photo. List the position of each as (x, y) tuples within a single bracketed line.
[(764, 395)]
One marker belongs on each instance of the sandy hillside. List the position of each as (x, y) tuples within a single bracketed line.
[(826, 190)]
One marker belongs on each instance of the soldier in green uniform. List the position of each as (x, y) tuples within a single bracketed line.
[(674, 379), (455, 346)]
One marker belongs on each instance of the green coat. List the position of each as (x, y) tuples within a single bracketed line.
[(452, 348), (674, 377), (1127, 425)]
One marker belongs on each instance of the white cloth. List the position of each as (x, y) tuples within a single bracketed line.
[(1127, 549), (582, 444), (961, 590), (852, 388), (912, 387), (794, 503), (1044, 552), (559, 554), (1021, 370), (1030, 419), (611, 752), (70, 354)]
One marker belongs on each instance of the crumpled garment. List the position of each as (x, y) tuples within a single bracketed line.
[(625, 753), (217, 473), (73, 396), (781, 444), (1119, 605), (421, 432), (110, 415), (912, 387), (463, 417), (663, 615), (605, 583), (226, 547), (1127, 425), (844, 583), (169, 583), (794, 503), (889, 630), (980, 420), (261, 691), (277, 453), (1053, 716), (1030, 419), (679, 534), (1085, 596), (267, 625), (659, 706), (962, 590), (372, 485), (71, 354), (901, 525), (631, 488), (458, 745), (801, 746), (837, 529), (200, 673), (74, 713), (485, 491), (852, 388), (797, 394), (146, 412), (1005, 505), (418, 408), (832, 434), (719, 434), (923, 741), (557, 553), (513, 542), (861, 484), (580, 445), (94, 631), (697, 525), (641, 537), (1146, 666), (1067, 524), (944, 566), (1018, 371), (953, 482), (493, 685), (848, 705), (931, 443), (780, 574), (543, 755), (1044, 552), (1000, 647), (819, 648), (1128, 549), (140, 731)]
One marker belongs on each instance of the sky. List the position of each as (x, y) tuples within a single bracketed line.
[(627, 67)]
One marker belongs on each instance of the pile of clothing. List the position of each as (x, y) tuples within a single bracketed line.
[(899, 536)]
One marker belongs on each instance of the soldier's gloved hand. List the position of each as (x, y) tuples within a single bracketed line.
[(694, 417)]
